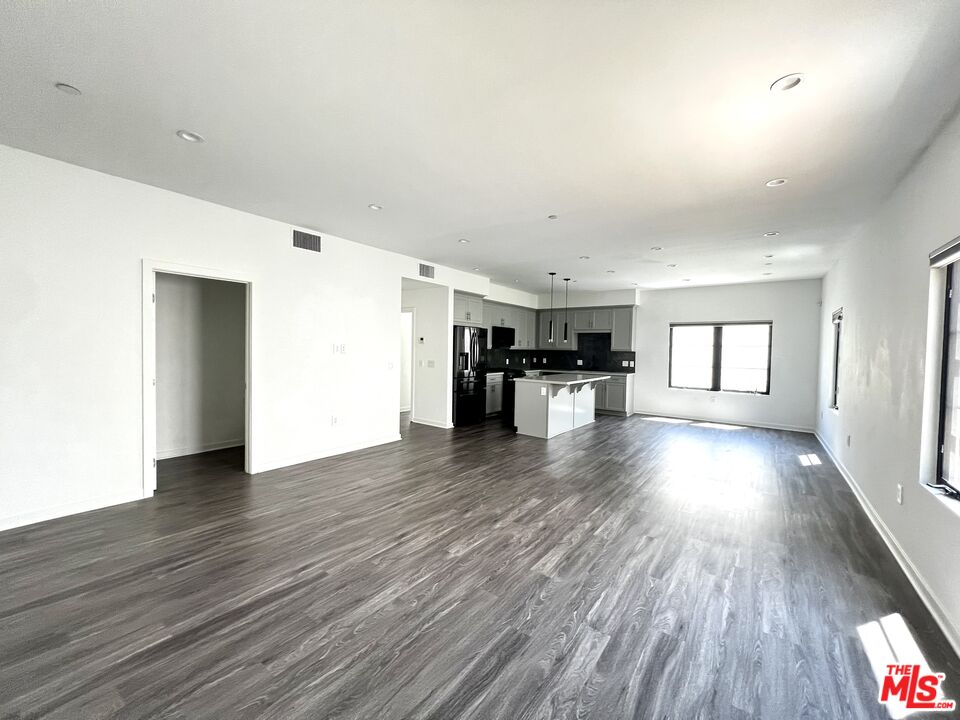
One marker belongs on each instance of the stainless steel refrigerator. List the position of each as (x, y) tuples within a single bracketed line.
[(469, 375)]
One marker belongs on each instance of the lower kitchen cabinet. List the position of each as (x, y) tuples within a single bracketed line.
[(494, 394), (615, 396)]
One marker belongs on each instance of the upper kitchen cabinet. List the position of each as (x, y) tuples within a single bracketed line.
[(467, 309), (595, 319), (522, 320), (623, 319), (544, 341)]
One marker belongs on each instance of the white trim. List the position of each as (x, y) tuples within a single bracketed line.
[(432, 423), (198, 449), (71, 508), (767, 426), (329, 452), (916, 579), (148, 346)]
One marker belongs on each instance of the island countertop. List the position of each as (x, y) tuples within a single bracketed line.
[(563, 379)]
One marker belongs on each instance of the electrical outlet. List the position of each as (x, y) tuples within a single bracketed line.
[(624, 363), (579, 361), (507, 361), (333, 420), (431, 363), (524, 361), (632, 363), (899, 494)]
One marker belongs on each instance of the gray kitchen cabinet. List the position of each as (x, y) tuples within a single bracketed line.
[(570, 343), (603, 319), (531, 322), (622, 335), (593, 319), (467, 309), (583, 319), (615, 396), (494, 393), (600, 395), (544, 341)]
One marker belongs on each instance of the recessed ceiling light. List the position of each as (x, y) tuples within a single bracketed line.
[(686, 279), (768, 264), (68, 89), (463, 241), (672, 265), (787, 82), (767, 273), (611, 272), (635, 284), (584, 257), (516, 281), (772, 233), (476, 269), (776, 182), (374, 206), (191, 137), (768, 256), (656, 248), (551, 217)]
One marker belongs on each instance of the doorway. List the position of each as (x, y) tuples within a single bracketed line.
[(196, 361), (406, 360)]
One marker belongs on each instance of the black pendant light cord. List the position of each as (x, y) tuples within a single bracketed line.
[(566, 306)]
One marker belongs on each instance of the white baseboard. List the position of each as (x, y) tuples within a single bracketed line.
[(326, 452), (58, 511), (767, 426), (432, 423), (197, 449), (916, 579)]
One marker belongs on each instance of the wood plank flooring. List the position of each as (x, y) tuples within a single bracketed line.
[(632, 569)]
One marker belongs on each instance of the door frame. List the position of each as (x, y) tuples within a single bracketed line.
[(149, 269)]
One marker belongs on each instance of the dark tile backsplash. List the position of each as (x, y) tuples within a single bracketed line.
[(592, 348)]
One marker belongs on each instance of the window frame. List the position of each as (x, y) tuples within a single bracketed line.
[(944, 373), (837, 320), (718, 355)]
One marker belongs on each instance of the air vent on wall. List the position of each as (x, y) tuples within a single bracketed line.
[(306, 241), (427, 271)]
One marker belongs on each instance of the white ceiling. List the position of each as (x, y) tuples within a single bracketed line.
[(638, 123)]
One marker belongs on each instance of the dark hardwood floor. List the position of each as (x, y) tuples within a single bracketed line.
[(632, 569)]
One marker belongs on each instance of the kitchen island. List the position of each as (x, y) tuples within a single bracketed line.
[(547, 406)]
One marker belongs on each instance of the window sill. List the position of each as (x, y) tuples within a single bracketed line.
[(950, 504)]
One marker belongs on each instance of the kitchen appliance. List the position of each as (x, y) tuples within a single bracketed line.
[(509, 395), (502, 337), (469, 375)]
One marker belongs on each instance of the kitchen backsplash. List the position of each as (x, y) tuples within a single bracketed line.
[(592, 348)]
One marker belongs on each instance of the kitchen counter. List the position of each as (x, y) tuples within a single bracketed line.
[(565, 379)]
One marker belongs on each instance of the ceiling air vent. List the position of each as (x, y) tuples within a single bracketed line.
[(427, 271), (306, 241)]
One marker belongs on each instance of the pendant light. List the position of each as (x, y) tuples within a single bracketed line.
[(550, 323), (566, 305)]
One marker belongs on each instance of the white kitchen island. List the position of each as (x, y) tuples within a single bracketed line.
[(553, 404)]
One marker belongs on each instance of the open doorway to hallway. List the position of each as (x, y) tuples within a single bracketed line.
[(406, 360), (200, 376)]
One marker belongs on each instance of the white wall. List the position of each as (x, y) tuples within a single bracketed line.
[(201, 328), (432, 352), (406, 361), (794, 309), (511, 296), (881, 280), (72, 241)]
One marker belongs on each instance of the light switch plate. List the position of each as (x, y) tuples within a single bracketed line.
[(543, 391), (632, 363), (625, 363), (579, 361), (431, 363)]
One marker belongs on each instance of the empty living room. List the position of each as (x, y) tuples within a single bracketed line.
[(506, 360)]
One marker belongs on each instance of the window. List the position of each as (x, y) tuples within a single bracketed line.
[(733, 357), (948, 462), (837, 324)]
